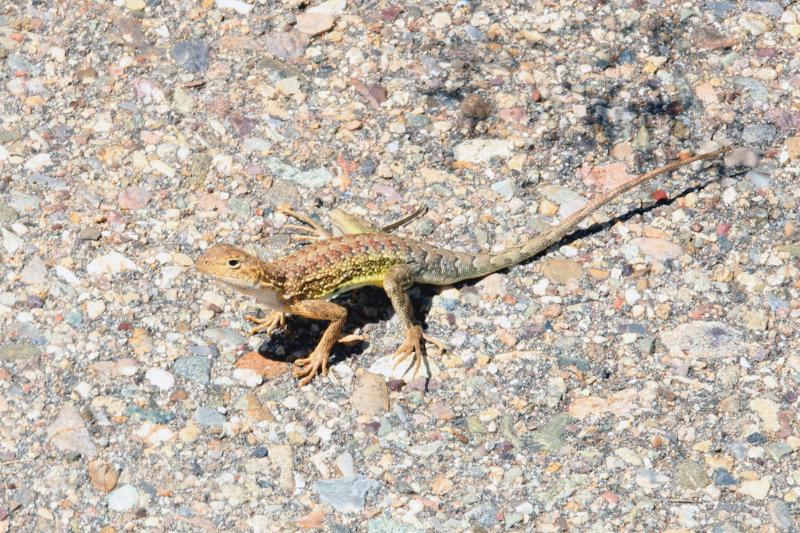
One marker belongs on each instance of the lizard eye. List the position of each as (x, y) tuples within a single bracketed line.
[(234, 263)]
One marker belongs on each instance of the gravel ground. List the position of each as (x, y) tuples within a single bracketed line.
[(641, 376)]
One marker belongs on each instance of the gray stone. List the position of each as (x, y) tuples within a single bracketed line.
[(89, 233), (23, 203), (781, 516), (68, 432), (191, 55), (194, 368), (18, 351), (313, 178), (704, 339), (691, 476), (37, 178), (123, 498), (34, 272), (8, 214), (387, 525), (225, 336), (484, 515), (758, 91), (209, 417), (551, 435), (504, 188), (482, 150), (778, 450), (648, 478), (347, 494), (759, 134)]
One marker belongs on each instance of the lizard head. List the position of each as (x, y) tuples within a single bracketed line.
[(242, 271)]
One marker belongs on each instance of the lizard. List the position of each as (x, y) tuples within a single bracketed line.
[(303, 282)]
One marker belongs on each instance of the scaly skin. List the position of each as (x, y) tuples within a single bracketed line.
[(301, 283)]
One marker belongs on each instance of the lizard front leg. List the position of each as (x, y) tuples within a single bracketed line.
[(396, 282), (274, 320), (308, 367)]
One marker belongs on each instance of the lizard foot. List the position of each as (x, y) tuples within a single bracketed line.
[(308, 368), (268, 324), (412, 347)]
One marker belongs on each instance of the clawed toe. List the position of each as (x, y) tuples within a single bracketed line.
[(268, 324), (351, 340), (412, 347), (307, 368)]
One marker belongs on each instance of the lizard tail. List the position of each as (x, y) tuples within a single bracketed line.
[(483, 264)]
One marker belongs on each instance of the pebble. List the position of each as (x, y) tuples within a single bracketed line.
[(160, 378), (781, 515), (191, 55), (482, 150), (757, 489), (370, 394), (110, 264), (18, 351), (658, 249), (249, 378), (700, 339), (344, 462), (312, 178), (314, 23), (650, 479), (134, 198), (723, 478), (387, 525), (68, 432), (759, 134), (551, 435), (209, 417), (476, 107), (767, 410), (347, 494), (690, 475), (561, 271), (122, 499), (243, 8), (34, 272)]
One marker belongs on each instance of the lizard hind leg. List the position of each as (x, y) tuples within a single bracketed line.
[(396, 281)]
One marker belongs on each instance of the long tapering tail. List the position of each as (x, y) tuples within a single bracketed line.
[(473, 266)]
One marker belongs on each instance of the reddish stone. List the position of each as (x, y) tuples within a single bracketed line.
[(260, 364), (658, 195)]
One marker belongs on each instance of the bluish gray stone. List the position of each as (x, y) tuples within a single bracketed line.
[(760, 134), (191, 55), (504, 188), (225, 337), (23, 203), (194, 368), (484, 515), (209, 417), (347, 494), (387, 525)]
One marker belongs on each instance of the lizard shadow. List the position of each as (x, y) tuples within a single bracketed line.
[(365, 306)]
